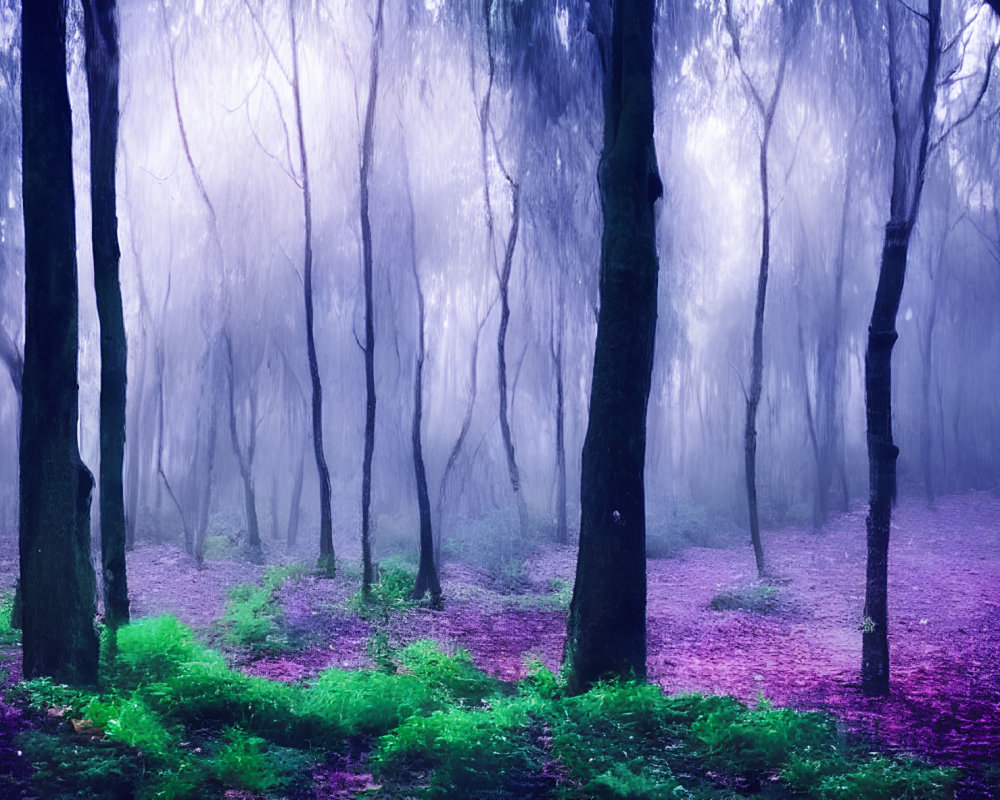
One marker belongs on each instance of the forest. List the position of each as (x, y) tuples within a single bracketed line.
[(485, 399)]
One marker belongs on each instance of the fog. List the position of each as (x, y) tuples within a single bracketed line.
[(484, 156)]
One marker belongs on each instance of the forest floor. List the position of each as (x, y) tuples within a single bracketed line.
[(800, 646)]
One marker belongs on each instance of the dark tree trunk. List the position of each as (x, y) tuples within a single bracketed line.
[(907, 184), (367, 148), (101, 36), (882, 453), (507, 435), (427, 575), (766, 111), (244, 456), (295, 504), (327, 561), (57, 577), (606, 627), (562, 524)]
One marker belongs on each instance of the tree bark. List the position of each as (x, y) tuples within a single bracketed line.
[(562, 524), (327, 560), (102, 63), (606, 627), (56, 574), (427, 575), (367, 151), (907, 184)]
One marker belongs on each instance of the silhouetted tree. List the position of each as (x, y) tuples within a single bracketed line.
[(910, 145), (765, 108), (101, 36), (57, 577), (427, 575), (606, 628), (367, 260)]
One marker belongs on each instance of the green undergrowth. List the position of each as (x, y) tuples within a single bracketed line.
[(758, 598), (387, 596), (253, 616), (172, 720), (8, 634)]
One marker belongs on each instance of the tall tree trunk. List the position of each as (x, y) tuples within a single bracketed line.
[(327, 561), (295, 504), (204, 486), (367, 151), (56, 574), (427, 575), (244, 456), (606, 627), (907, 184), (562, 524), (507, 435), (766, 111), (101, 36), (463, 432), (194, 537)]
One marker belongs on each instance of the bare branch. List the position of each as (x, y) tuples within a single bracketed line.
[(990, 57), (914, 11), (267, 40)]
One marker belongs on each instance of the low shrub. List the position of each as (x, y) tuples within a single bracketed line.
[(757, 743), (253, 616), (758, 598), (887, 779), (390, 595), (468, 750), (8, 633), (174, 721), (451, 677)]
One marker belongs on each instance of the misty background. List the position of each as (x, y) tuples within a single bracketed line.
[(485, 150)]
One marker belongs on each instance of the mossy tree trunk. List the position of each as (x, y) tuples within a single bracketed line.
[(606, 631), (101, 37), (57, 577)]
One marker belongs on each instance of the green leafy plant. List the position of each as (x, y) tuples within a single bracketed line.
[(242, 761), (253, 615), (174, 721), (390, 595), (469, 750), (453, 677), (757, 743), (8, 634)]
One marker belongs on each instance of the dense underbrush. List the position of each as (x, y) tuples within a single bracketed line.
[(173, 720)]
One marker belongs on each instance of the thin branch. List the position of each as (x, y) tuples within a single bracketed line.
[(990, 56), (267, 40), (912, 10)]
